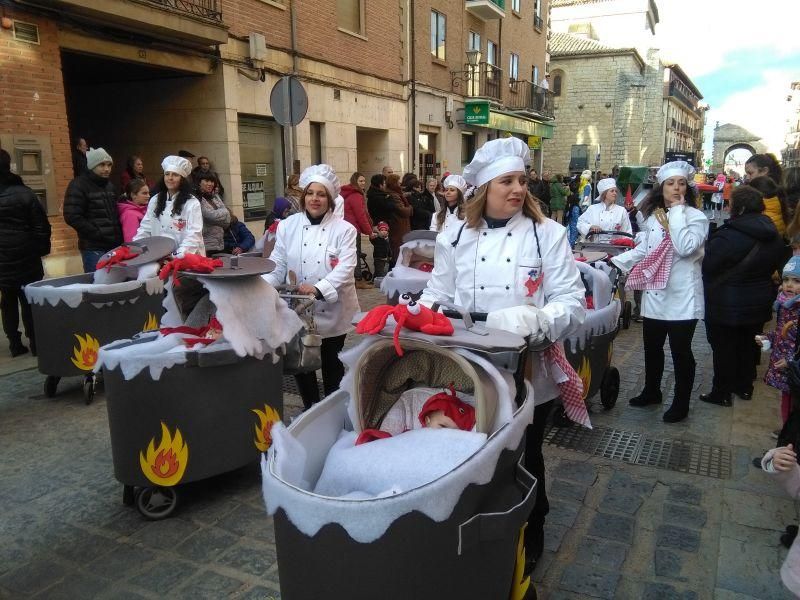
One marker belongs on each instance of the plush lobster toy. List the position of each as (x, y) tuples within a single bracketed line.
[(190, 262), (408, 313), (117, 257)]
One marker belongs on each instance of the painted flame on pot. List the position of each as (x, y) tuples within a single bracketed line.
[(585, 373), (266, 419), (85, 353), (164, 465), (519, 583), (151, 324)]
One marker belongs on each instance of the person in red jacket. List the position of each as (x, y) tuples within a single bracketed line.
[(355, 213)]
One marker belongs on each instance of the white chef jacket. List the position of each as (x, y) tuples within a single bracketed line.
[(185, 228), (608, 218), (488, 268), (682, 299), (324, 256), (451, 221)]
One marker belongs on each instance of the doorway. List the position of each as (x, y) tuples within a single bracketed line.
[(429, 166)]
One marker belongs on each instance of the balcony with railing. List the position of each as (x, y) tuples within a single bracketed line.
[(487, 10), (538, 22), (526, 96), (479, 81), (196, 22)]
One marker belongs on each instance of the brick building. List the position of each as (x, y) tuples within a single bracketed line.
[(385, 86)]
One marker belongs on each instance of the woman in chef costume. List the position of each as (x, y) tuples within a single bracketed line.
[(451, 213), (319, 247), (510, 261), (606, 215)]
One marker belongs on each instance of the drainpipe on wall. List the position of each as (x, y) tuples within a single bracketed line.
[(412, 156), (290, 136)]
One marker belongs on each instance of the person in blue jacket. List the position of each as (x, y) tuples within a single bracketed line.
[(238, 237)]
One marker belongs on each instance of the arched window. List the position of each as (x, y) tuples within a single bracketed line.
[(558, 81)]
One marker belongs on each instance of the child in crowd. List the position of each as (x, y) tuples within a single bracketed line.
[(132, 207), (783, 340), (571, 216), (782, 463)]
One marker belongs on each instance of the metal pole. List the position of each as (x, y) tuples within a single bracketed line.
[(291, 152)]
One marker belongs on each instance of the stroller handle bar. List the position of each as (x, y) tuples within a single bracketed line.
[(607, 232), (459, 312)]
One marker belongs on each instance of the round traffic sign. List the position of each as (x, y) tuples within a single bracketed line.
[(288, 101)]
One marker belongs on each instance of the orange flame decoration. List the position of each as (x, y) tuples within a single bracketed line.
[(151, 324), (585, 373), (267, 418), (519, 583), (85, 353), (165, 464)]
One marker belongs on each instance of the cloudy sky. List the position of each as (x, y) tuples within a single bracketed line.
[(741, 54)]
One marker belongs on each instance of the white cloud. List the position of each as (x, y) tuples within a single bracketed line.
[(698, 34), (762, 109)]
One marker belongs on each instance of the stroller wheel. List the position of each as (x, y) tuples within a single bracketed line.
[(50, 385), (609, 388), (88, 389), (156, 503), (366, 275), (626, 315)]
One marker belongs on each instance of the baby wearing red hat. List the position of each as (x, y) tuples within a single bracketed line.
[(416, 408)]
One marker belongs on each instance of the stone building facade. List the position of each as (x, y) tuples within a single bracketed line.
[(791, 153)]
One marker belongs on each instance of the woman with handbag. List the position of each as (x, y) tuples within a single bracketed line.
[(319, 248), (666, 265), (740, 258)]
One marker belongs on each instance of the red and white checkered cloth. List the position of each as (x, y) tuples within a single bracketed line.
[(652, 272), (569, 384)]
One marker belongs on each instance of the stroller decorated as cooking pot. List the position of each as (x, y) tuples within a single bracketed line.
[(424, 514), (413, 268)]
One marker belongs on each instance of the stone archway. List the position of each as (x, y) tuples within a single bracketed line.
[(729, 137)]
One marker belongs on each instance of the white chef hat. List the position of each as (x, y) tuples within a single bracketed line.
[(678, 168), (323, 174), (456, 181), (177, 164), (495, 158), (604, 185)]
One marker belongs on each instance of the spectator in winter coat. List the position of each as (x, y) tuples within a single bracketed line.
[(381, 209), (293, 193), (132, 207), (355, 213), (238, 238), (774, 206), (24, 239), (216, 216), (203, 169), (740, 258), (400, 223), (90, 207), (558, 199), (424, 207), (79, 150)]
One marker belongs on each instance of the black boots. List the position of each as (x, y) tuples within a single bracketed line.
[(16, 348), (645, 399), (718, 398)]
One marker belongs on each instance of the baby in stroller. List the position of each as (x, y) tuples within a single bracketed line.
[(424, 407)]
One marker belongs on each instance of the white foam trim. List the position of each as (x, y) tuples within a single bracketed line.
[(366, 520)]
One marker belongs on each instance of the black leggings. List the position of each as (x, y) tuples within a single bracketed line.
[(680, 333), (12, 302), (733, 350), (332, 372), (534, 462)]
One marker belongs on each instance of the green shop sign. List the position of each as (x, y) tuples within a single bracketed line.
[(476, 113)]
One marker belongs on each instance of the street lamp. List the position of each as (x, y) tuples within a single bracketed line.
[(473, 57), (470, 69)]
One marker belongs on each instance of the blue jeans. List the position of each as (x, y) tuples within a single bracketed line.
[(90, 258)]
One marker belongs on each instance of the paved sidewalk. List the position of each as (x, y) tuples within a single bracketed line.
[(616, 529)]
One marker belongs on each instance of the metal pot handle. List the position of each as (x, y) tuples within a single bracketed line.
[(485, 527), (469, 323)]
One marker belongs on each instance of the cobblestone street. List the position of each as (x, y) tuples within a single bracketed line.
[(631, 517)]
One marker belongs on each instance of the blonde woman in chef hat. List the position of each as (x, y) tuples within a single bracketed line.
[(319, 247), (510, 261), (606, 214), (451, 213)]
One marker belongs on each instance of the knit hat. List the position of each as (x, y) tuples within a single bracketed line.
[(323, 174), (677, 168), (792, 268), (177, 164), (456, 181), (603, 186), (462, 414), (281, 204), (95, 156), (495, 158)]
